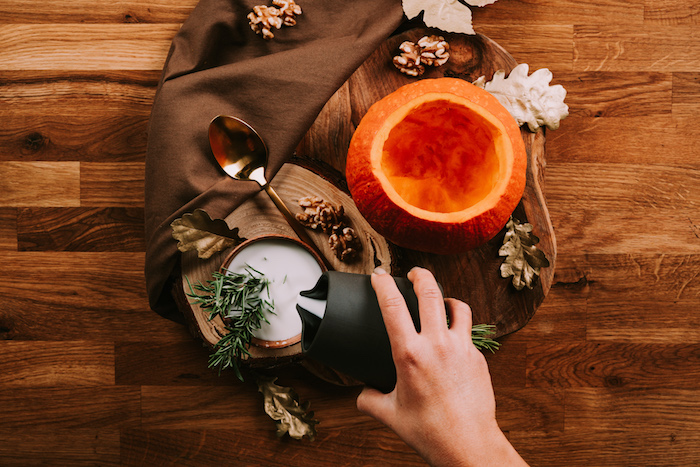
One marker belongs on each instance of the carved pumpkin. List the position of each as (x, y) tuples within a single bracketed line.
[(437, 166)]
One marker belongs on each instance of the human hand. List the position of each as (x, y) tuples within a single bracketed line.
[(443, 403)]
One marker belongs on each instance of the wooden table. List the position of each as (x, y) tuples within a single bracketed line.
[(606, 373)]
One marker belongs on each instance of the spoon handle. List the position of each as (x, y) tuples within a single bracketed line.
[(299, 229)]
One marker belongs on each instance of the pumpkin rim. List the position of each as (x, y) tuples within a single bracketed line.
[(505, 153), (394, 221)]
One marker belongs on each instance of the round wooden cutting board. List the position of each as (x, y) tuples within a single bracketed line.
[(473, 277)]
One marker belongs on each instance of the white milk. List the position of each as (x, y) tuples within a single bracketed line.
[(290, 269)]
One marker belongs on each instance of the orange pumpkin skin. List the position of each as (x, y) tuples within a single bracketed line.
[(437, 166)]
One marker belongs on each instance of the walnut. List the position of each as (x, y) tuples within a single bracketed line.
[(262, 19), (428, 51), (321, 215), (435, 51), (289, 9), (409, 61), (345, 244)]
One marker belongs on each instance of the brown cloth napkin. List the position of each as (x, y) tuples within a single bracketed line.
[(218, 65)]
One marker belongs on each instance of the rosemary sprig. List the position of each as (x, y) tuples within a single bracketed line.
[(226, 292), (238, 298), (481, 337)]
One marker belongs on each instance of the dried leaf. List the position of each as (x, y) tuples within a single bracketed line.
[(529, 99), (479, 2), (447, 15), (523, 259), (197, 231), (282, 405)]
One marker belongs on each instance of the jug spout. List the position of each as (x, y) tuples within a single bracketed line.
[(342, 327)]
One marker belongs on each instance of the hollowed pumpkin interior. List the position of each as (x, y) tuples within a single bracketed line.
[(443, 157)]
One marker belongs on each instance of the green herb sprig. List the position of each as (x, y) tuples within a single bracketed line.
[(236, 297), (481, 337)]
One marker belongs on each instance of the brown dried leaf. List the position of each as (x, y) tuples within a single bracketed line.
[(523, 259), (282, 405), (197, 231)]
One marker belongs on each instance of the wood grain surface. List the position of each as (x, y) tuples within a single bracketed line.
[(606, 372)]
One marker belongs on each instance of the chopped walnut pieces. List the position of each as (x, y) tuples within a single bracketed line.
[(428, 51), (264, 18), (330, 218)]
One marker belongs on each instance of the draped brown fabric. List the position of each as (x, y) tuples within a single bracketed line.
[(217, 65)]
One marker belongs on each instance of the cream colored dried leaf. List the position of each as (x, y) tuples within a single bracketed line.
[(529, 99), (447, 15), (197, 231), (479, 2), (282, 405), (523, 259)]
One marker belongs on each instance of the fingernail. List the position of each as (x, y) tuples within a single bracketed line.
[(379, 271), (414, 269)]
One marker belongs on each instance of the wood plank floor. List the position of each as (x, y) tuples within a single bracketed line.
[(606, 373)]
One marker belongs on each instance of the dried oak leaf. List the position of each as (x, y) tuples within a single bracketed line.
[(523, 259), (282, 405), (529, 99), (447, 15), (480, 2), (197, 231)]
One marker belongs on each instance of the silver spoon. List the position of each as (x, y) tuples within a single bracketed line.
[(242, 154)]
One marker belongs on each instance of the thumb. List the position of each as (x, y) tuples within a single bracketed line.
[(375, 404)]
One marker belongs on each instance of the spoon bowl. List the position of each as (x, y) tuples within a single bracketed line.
[(238, 148), (242, 154)]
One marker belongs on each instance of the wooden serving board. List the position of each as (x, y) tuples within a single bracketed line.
[(473, 277), (259, 217)]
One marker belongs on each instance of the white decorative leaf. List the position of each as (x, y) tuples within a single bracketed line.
[(529, 99), (480, 2), (447, 15)]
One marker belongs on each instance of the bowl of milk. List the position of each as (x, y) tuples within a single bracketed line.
[(290, 266)]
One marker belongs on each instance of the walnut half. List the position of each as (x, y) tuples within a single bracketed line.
[(415, 56), (345, 244), (264, 18), (409, 61)]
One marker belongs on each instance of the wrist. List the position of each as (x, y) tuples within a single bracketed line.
[(483, 447), (494, 449)]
